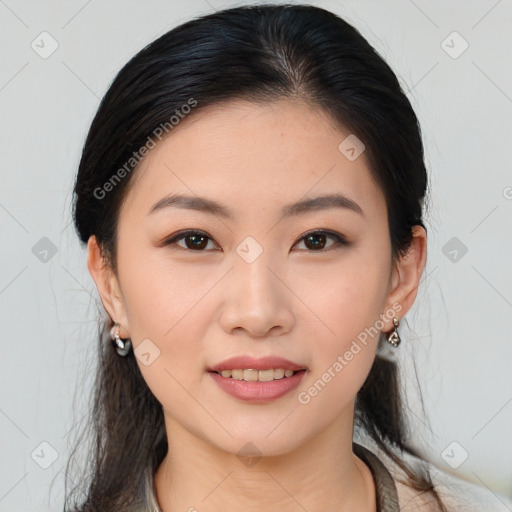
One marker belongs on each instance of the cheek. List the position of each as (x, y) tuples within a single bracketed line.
[(158, 293), (345, 326), (345, 298), (165, 322), (344, 347), (164, 307)]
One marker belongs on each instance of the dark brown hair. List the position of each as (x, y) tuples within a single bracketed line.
[(258, 53)]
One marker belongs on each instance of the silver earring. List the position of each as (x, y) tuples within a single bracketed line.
[(393, 337), (122, 346)]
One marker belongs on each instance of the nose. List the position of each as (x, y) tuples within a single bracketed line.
[(258, 300)]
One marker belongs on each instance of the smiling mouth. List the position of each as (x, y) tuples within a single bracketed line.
[(251, 375)]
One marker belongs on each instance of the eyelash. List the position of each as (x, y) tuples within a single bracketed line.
[(340, 240)]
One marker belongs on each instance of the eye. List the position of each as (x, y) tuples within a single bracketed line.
[(317, 240), (194, 240)]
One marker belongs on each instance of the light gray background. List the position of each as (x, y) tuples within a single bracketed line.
[(460, 327)]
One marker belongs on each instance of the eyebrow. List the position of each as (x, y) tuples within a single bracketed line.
[(202, 204)]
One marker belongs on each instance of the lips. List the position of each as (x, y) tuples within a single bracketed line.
[(258, 392), (263, 363)]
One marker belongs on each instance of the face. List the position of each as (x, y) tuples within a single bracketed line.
[(308, 286)]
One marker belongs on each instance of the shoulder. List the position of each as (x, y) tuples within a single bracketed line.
[(457, 494), (460, 494)]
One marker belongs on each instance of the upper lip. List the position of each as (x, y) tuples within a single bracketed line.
[(263, 363)]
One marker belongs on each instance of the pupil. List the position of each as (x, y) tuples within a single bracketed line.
[(317, 245), (197, 241)]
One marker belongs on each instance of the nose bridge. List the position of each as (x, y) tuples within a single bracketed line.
[(257, 298), (253, 268)]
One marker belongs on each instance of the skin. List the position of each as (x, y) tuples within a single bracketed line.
[(200, 308)]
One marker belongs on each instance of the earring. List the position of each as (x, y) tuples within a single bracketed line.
[(122, 346), (393, 337)]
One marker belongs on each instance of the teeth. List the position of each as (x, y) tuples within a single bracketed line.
[(257, 375)]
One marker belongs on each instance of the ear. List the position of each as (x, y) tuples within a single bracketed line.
[(107, 285), (406, 275)]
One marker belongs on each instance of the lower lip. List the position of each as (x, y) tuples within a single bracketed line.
[(258, 392)]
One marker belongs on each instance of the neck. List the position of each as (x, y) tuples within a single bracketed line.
[(321, 474)]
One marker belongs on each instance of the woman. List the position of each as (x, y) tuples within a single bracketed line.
[(251, 193)]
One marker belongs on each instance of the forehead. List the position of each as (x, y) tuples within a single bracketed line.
[(251, 155)]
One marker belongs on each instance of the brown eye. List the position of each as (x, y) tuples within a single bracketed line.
[(196, 241), (193, 240), (316, 241)]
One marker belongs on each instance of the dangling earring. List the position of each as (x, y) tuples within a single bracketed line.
[(393, 337), (122, 346)]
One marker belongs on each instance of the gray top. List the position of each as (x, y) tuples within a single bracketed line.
[(387, 496)]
